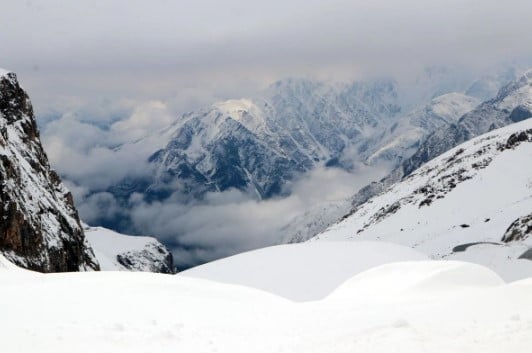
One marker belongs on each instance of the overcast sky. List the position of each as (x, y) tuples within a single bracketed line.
[(118, 52)]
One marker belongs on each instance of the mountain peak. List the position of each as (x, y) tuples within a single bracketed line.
[(4, 72)]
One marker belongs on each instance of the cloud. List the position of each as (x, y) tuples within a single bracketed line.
[(97, 154), (223, 224), (193, 51)]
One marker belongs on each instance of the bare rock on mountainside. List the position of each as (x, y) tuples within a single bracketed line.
[(120, 252), (40, 228), (520, 229)]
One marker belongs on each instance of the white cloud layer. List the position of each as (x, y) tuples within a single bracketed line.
[(191, 52)]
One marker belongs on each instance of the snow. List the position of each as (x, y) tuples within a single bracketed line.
[(452, 106), (421, 306), (486, 204), (142, 253), (4, 72), (302, 272)]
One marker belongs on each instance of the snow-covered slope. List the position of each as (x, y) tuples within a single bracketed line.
[(512, 104), (421, 306), (120, 252), (400, 140), (403, 138), (459, 205), (40, 228), (259, 144), (301, 272)]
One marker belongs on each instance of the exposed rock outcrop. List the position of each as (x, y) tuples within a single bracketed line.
[(39, 228)]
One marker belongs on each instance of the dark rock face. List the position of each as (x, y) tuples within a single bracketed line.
[(520, 229), (39, 228), (155, 257)]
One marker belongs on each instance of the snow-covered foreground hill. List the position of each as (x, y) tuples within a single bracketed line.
[(416, 306), (301, 272), (473, 203)]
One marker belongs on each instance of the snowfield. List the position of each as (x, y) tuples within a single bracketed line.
[(459, 205), (413, 306), (301, 272)]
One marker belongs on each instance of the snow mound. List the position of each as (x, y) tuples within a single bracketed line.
[(392, 279), (302, 272), (402, 307)]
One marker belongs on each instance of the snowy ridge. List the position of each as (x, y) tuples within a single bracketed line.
[(487, 116), (457, 206), (259, 144), (402, 138), (119, 252), (4, 72)]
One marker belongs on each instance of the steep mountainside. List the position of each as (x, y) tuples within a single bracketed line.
[(513, 103), (402, 139), (472, 203), (397, 142), (259, 144), (40, 228), (119, 252)]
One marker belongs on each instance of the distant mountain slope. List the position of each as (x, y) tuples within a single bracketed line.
[(40, 228), (403, 138), (471, 203), (513, 103), (260, 144), (119, 252)]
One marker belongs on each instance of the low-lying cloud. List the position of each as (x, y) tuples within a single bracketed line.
[(96, 154), (229, 222)]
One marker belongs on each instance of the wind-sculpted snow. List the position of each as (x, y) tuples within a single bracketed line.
[(472, 194), (302, 272), (420, 306)]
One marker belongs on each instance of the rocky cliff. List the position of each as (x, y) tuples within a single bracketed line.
[(39, 228)]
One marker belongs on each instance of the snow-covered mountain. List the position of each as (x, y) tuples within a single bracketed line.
[(471, 203), (40, 228), (259, 144), (120, 252), (403, 138), (512, 104)]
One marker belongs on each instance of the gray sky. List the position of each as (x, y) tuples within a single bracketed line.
[(75, 53)]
